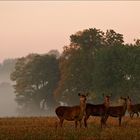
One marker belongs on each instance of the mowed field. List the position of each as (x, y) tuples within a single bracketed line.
[(46, 128)]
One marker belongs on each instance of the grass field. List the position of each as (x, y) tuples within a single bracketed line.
[(44, 128)]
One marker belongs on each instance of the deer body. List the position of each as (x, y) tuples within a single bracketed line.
[(97, 110), (132, 109), (73, 113), (117, 111)]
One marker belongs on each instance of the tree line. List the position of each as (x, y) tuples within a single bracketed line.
[(94, 61), (6, 67)]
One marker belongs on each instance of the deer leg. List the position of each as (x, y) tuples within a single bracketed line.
[(120, 118), (105, 119), (132, 114), (85, 120), (75, 123), (137, 114), (102, 121), (61, 122), (80, 122)]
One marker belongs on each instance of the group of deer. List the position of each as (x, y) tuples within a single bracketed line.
[(104, 110)]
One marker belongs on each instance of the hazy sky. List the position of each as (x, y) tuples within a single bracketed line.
[(39, 26)]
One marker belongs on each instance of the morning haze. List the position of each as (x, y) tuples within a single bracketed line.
[(39, 26)]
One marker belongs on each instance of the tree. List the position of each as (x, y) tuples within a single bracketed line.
[(36, 77), (89, 38), (77, 64), (113, 39), (117, 70), (137, 42)]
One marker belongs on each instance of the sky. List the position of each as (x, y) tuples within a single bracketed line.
[(39, 26)]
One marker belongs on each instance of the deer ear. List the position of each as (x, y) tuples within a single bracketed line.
[(79, 94), (128, 97)]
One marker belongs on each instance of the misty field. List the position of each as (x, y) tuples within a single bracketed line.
[(45, 128)]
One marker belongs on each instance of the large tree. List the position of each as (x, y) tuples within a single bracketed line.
[(36, 77), (117, 70), (110, 66), (113, 39), (77, 64)]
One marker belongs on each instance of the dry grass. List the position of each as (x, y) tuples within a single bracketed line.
[(45, 128)]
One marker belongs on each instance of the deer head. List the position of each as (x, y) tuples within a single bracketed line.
[(129, 101), (106, 100)]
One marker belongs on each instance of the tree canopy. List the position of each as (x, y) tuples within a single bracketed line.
[(95, 61), (36, 77)]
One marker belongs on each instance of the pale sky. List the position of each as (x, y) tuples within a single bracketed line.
[(39, 26)]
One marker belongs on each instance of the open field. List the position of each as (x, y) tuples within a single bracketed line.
[(45, 128)]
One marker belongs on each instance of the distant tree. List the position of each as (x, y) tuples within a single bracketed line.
[(36, 77), (117, 70), (77, 64), (113, 39), (88, 39), (94, 61), (100, 63), (6, 67), (137, 42), (55, 53)]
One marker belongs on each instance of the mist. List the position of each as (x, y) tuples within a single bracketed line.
[(8, 105)]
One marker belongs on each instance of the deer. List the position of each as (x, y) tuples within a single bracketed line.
[(97, 110), (132, 109), (117, 111), (72, 113)]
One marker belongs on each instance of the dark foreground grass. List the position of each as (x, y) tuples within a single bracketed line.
[(46, 128)]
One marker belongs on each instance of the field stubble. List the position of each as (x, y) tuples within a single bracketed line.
[(46, 128)]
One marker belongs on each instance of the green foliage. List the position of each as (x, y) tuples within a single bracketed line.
[(69, 71), (89, 38), (117, 70), (94, 62), (98, 62), (77, 64), (113, 39)]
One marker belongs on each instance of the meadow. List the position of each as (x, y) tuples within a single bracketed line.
[(46, 128)]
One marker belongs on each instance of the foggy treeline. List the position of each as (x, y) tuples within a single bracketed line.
[(95, 61), (7, 96), (6, 67)]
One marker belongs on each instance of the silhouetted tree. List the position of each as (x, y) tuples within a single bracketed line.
[(36, 77), (77, 64), (117, 70)]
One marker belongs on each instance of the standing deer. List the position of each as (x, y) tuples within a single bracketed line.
[(97, 110), (132, 109), (74, 113), (117, 111)]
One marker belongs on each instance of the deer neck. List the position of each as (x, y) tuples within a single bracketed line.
[(82, 108), (107, 104), (129, 106), (125, 106)]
